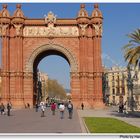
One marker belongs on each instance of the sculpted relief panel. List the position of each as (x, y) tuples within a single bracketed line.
[(50, 31)]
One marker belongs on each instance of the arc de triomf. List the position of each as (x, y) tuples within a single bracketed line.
[(26, 41)]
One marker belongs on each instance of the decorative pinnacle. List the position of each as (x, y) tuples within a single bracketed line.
[(18, 6), (4, 6), (82, 6), (96, 5)]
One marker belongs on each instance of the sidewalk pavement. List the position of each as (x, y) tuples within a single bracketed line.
[(29, 121)]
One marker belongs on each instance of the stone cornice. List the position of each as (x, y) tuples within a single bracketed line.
[(89, 75), (17, 74), (41, 22)]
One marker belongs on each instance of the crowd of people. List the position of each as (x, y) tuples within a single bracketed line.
[(62, 107), (53, 106)]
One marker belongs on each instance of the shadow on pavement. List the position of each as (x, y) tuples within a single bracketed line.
[(129, 115)]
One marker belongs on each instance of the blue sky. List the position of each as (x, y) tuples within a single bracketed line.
[(119, 20)]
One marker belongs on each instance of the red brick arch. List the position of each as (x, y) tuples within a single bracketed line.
[(77, 40), (68, 54)]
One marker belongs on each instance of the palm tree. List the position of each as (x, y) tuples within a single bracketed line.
[(132, 49)]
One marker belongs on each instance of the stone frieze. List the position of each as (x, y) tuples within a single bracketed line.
[(50, 31)]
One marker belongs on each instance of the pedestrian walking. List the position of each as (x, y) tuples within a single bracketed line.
[(121, 107), (36, 107), (28, 105), (9, 106), (70, 109), (42, 106), (2, 109), (125, 111), (61, 108), (53, 107), (82, 106)]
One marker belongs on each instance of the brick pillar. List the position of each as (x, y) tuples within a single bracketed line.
[(5, 64), (84, 73), (97, 63), (83, 67), (75, 88), (16, 62), (16, 65), (83, 23), (98, 100), (97, 71), (4, 25), (90, 54), (28, 88), (13, 61)]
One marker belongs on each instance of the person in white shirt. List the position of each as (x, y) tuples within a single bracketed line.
[(62, 109), (42, 106)]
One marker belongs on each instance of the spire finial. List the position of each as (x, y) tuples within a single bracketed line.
[(96, 5), (82, 6), (4, 6), (18, 6)]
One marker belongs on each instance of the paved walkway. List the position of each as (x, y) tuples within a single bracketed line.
[(109, 112), (29, 121)]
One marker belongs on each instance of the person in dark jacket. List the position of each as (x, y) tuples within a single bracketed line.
[(82, 106), (70, 109), (8, 109), (36, 107), (2, 108)]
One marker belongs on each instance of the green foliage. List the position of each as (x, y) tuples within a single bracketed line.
[(109, 125), (55, 90), (132, 49), (0, 88), (69, 97)]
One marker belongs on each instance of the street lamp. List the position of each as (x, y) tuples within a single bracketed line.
[(105, 89), (130, 86), (39, 88)]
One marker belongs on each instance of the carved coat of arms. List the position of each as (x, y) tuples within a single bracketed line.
[(50, 18)]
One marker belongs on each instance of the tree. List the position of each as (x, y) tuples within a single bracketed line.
[(55, 90), (132, 49), (0, 86), (69, 97)]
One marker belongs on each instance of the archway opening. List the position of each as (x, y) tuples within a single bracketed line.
[(55, 66)]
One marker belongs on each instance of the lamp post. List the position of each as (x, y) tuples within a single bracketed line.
[(105, 89), (130, 86), (39, 88)]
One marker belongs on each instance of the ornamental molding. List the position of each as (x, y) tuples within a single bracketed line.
[(5, 74), (83, 74), (16, 74), (50, 31), (83, 28), (97, 74), (98, 29), (78, 75), (3, 29), (28, 75), (75, 75), (69, 55), (18, 29), (50, 18)]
